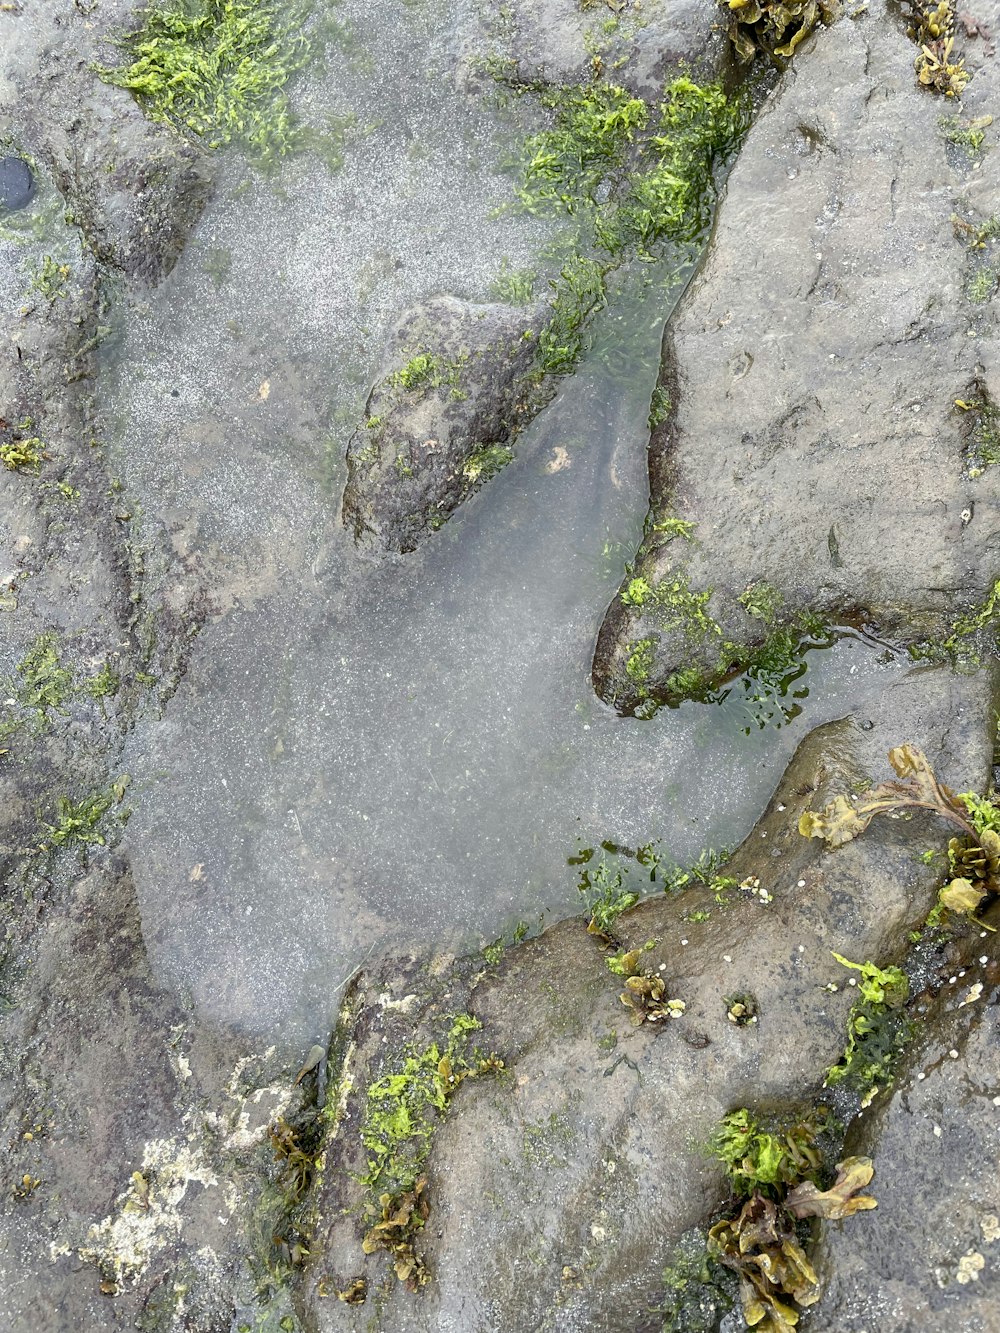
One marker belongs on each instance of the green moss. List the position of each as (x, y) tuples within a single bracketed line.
[(420, 372), (495, 951), (967, 635), (218, 69), (426, 371), (698, 1289), (877, 1029), (50, 278), (762, 601), (983, 435), (688, 683), (983, 284), (78, 823), (487, 462), (606, 897), (579, 291), (105, 684), (659, 408), (513, 286), (405, 1107), (966, 135), (44, 685), (676, 607), (628, 175), (672, 194), (768, 1158), (639, 660), (22, 454), (671, 527), (637, 593)]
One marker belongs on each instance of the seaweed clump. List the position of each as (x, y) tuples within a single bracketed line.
[(218, 69), (777, 1174), (404, 1108), (973, 855), (774, 28), (932, 27)]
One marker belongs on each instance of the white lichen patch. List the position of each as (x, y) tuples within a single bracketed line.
[(402, 1006), (990, 1227), (969, 1267), (148, 1216)]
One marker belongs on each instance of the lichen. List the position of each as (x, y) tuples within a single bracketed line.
[(148, 1215)]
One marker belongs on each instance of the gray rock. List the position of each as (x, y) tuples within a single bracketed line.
[(560, 41), (927, 1257), (135, 188), (812, 368), (17, 185), (453, 391), (559, 1189)]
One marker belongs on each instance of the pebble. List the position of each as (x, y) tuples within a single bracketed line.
[(17, 185)]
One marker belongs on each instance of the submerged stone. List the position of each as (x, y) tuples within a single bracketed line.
[(17, 184)]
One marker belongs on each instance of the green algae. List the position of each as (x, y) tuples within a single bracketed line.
[(487, 462), (218, 69), (42, 685), (767, 1157), (81, 822), (405, 1106), (629, 175), (877, 1029)]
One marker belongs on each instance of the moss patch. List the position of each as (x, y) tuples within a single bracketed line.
[(403, 1110), (629, 175), (218, 69)]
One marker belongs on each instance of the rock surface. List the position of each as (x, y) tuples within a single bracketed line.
[(163, 1173), (936, 1141), (136, 188), (453, 391), (561, 41), (812, 369), (559, 1189)]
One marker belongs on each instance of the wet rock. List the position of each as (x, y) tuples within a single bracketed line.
[(17, 185), (561, 41), (134, 188), (558, 1189), (812, 370), (929, 1256), (454, 389), (120, 1115)]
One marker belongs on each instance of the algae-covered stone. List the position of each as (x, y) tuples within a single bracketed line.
[(557, 1190), (454, 389), (135, 189), (812, 367), (928, 1256)]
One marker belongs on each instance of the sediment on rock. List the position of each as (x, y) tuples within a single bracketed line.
[(454, 390)]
